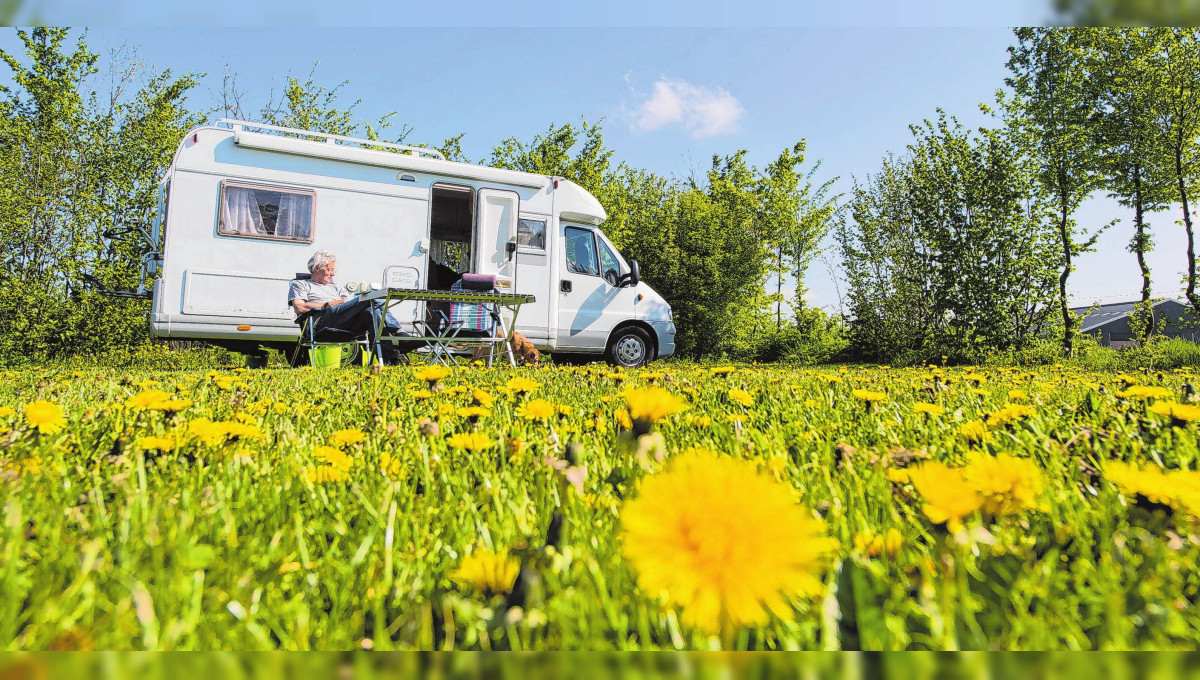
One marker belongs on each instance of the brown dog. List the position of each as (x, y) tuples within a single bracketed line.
[(524, 350)]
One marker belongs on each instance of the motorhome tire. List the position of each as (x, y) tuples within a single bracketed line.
[(629, 348)]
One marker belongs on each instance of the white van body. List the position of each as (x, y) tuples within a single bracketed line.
[(224, 277)]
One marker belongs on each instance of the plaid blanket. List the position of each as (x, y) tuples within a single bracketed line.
[(474, 316)]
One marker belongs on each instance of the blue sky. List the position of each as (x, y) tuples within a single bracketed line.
[(669, 98)]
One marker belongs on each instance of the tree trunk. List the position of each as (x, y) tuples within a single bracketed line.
[(779, 291), (1068, 330), (1139, 221), (1187, 225)]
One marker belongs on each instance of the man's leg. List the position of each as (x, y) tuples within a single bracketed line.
[(357, 316)]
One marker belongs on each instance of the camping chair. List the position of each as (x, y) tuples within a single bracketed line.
[(479, 320), (309, 340)]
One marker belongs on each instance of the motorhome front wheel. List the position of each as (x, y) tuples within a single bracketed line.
[(630, 348)]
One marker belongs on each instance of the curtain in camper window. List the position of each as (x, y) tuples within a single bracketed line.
[(266, 212)]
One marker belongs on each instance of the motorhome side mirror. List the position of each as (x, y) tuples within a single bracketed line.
[(510, 248), (635, 274)]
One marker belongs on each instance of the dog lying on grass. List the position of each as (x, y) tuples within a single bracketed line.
[(524, 350)]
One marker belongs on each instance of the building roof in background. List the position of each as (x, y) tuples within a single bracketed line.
[(1105, 314)]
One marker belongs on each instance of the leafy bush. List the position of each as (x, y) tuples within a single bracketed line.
[(147, 356)]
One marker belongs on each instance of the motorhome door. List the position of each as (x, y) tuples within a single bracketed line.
[(590, 304), (495, 230)]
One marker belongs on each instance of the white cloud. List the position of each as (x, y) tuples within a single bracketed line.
[(703, 112)]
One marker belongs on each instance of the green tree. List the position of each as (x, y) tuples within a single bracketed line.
[(1136, 169), (1050, 108), (1174, 75), (794, 216), (889, 270), (951, 253), (309, 105), (80, 173)]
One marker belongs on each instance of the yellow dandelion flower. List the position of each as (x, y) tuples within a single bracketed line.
[(928, 409), (975, 431), (868, 396), (6, 411), (735, 418), (488, 573), (431, 374), (418, 395), (348, 437), (208, 432), (234, 430), (1132, 480), (1180, 414), (45, 416), (1008, 485), (650, 405), (872, 544), (811, 403), (537, 409), (740, 397), (482, 398), (831, 379), (391, 466), (623, 419), (722, 370), (723, 542), (147, 400), (470, 441), (171, 405), (947, 496), (892, 541), (333, 457), (1144, 392), (157, 443), (323, 474), (1017, 395), (521, 385), (1008, 415)]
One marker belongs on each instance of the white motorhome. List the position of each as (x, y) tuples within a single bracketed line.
[(243, 206)]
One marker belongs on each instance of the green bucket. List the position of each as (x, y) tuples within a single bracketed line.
[(326, 356)]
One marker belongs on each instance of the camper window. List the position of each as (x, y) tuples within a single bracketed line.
[(608, 264), (531, 234), (258, 211), (581, 252)]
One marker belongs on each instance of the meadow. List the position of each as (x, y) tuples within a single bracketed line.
[(676, 507)]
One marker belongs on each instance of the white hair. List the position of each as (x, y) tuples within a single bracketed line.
[(320, 259)]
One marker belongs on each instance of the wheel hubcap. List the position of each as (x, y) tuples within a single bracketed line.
[(630, 350)]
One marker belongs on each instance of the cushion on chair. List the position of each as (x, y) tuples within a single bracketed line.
[(479, 282)]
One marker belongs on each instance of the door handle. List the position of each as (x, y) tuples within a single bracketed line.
[(565, 286)]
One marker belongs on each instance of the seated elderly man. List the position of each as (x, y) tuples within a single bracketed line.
[(333, 308)]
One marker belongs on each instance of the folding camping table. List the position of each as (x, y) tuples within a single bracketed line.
[(439, 342)]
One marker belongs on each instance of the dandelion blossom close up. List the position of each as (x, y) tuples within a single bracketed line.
[(44, 416), (723, 542)]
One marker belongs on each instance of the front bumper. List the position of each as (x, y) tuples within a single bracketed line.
[(665, 331)]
